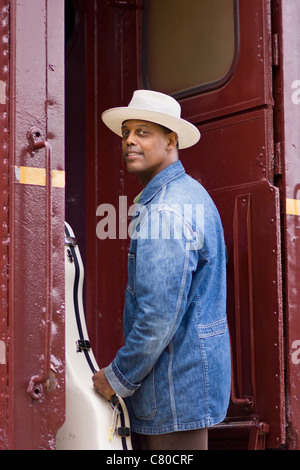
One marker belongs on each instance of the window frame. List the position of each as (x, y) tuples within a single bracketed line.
[(198, 89)]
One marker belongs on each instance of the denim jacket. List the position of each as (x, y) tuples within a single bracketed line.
[(174, 368)]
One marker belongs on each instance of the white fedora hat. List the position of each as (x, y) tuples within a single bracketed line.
[(155, 107)]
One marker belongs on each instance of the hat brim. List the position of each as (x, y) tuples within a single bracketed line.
[(188, 134)]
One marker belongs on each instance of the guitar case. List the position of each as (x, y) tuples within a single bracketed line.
[(92, 422)]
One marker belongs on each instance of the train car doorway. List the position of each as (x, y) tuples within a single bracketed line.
[(223, 79)]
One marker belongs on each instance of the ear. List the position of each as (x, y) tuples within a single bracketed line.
[(172, 140)]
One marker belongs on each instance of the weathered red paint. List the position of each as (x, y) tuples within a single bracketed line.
[(36, 292), (4, 241), (288, 137)]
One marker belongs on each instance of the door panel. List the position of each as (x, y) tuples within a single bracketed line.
[(36, 294), (251, 218), (233, 150), (111, 77)]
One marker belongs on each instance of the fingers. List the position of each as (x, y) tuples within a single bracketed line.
[(102, 385)]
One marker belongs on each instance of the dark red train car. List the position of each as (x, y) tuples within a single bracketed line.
[(234, 65)]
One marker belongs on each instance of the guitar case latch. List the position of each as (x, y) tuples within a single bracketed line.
[(83, 345), (123, 432)]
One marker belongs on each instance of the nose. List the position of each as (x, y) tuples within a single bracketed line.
[(130, 138)]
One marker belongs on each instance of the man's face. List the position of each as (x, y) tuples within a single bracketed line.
[(147, 148)]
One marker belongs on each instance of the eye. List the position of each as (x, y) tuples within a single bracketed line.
[(143, 132), (125, 134)]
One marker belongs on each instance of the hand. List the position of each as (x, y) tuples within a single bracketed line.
[(101, 384)]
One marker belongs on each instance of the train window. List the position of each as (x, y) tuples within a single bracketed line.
[(188, 46)]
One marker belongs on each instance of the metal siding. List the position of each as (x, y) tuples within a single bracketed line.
[(36, 319), (4, 241), (290, 138)]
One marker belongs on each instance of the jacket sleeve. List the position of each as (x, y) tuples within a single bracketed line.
[(164, 269)]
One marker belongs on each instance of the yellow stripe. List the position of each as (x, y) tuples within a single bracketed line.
[(58, 178), (37, 176), (293, 206)]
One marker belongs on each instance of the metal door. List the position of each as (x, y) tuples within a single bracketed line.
[(111, 76), (35, 328), (234, 161)]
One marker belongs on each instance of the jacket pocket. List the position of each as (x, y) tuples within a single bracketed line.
[(215, 354), (143, 400), (211, 329), (131, 273)]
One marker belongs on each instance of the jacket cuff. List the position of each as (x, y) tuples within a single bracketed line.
[(118, 382)]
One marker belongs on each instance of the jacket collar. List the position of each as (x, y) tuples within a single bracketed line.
[(165, 176)]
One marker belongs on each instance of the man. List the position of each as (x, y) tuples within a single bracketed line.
[(174, 368)]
